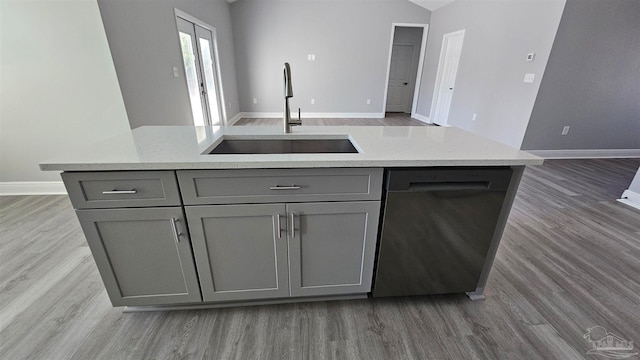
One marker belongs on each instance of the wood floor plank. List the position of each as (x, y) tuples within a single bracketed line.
[(65, 322), (18, 304)]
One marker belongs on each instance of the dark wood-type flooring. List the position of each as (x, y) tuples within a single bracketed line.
[(569, 260)]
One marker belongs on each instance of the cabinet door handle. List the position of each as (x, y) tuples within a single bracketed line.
[(293, 225), (116, 192), (279, 226), (174, 227), (278, 187)]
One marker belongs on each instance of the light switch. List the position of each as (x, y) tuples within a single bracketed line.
[(531, 56), (528, 78), (313, 57), (175, 72), (309, 57)]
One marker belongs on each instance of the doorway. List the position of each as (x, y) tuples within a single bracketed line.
[(446, 77), (406, 55), (201, 69)]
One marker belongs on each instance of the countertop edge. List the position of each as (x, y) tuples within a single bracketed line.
[(281, 165)]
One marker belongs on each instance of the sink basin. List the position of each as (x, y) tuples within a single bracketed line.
[(284, 146)]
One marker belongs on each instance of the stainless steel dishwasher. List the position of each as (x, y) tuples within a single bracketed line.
[(437, 226)]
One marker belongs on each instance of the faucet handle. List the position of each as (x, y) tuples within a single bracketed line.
[(297, 122)]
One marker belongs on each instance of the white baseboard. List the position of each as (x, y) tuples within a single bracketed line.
[(32, 188), (254, 115), (234, 119), (630, 198), (424, 119), (586, 154)]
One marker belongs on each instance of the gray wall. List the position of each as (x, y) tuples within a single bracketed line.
[(499, 34), (350, 39), (592, 82), (144, 44), (59, 87), (413, 36)]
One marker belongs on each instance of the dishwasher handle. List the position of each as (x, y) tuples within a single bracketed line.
[(448, 179), (448, 186)]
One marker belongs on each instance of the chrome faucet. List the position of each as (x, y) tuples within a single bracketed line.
[(288, 93)]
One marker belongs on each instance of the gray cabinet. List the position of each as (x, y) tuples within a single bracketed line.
[(144, 255), (261, 251), (332, 247), (240, 251), (256, 234)]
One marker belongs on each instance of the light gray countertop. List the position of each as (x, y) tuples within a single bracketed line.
[(181, 147)]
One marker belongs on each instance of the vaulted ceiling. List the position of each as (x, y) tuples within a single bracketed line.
[(427, 4)]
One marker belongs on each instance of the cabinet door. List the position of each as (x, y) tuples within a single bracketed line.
[(332, 247), (240, 251), (143, 255)]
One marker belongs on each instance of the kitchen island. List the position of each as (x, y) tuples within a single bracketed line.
[(172, 226)]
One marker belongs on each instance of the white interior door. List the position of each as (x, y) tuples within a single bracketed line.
[(446, 78), (201, 72), (399, 78)]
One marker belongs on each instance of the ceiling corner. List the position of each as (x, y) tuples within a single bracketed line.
[(431, 5)]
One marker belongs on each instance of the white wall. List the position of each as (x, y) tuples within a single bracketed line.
[(59, 90), (143, 39), (350, 39), (631, 196), (635, 184), (498, 36)]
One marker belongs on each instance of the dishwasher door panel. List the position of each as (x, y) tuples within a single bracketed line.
[(435, 242)]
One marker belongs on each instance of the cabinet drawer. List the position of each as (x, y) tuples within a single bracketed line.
[(121, 189), (279, 185)]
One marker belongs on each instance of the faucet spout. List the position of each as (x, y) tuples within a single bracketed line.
[(288, 88), (288, 93)]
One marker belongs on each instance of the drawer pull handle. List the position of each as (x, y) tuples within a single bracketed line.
[(279, 226), (174, 227), (278, 187), (119, 192), (293, 225)]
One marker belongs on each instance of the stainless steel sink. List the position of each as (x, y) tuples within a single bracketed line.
[(284, 146)]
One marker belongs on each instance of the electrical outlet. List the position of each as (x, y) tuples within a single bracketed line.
[(313, 101), (474, 117), (565, 130), (255, 101), (309, 57), (175, 72), (528, 78), (313, 57), (368, 101)]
